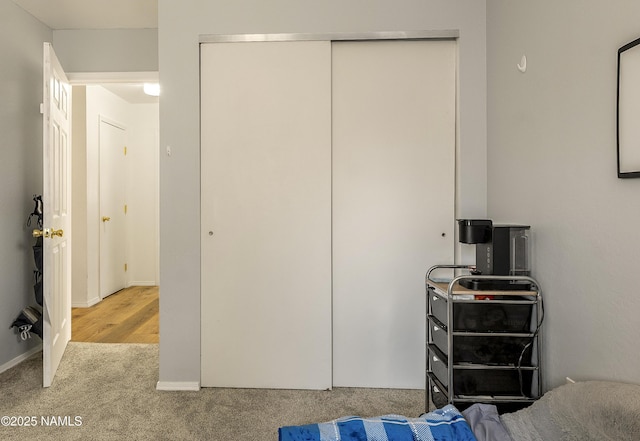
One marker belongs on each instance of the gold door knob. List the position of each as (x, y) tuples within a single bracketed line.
[(106, 218), (47, 233)]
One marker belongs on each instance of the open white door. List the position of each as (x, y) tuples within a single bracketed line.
[(57, 216)]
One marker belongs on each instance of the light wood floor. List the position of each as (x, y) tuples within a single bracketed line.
[(128, 316)]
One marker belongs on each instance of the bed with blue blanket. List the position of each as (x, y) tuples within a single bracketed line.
[(441, 425), (584, 411)]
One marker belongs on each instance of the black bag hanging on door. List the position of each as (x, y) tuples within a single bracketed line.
[(29, 320), (37, 211), (37, 288), (37, 254), (37, 249)]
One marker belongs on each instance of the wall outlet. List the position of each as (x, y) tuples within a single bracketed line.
[(570, 380)]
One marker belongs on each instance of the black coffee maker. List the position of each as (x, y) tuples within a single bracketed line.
[(501, 250)]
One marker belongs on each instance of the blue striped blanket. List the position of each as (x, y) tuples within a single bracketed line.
[(440, 425)]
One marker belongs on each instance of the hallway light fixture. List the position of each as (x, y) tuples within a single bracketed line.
[(152, 89)]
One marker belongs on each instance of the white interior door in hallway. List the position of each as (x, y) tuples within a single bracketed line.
[(112, 203), (327, 191)]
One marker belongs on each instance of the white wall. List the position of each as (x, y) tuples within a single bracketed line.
[(21, 42), (552, 164), (107, 50), (142, 194), (180, 25), (79, 260), (141, 123)]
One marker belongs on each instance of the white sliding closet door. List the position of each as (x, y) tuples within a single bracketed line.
[(393, 203), (266, 214)]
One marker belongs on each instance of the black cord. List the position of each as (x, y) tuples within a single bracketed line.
[(524, 349)]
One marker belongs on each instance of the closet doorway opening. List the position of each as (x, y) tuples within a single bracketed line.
[(323, 201)]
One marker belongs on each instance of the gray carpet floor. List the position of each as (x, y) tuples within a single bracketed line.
[(107, 392)]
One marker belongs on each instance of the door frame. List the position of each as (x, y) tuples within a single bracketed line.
[(99, 78), (445, 34)]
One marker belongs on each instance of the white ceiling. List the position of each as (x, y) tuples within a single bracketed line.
[(93, 14), (130, 92)]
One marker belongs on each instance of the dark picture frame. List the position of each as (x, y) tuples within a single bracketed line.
[(628, 110)]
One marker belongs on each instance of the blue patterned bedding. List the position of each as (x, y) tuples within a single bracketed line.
[(446, 424)]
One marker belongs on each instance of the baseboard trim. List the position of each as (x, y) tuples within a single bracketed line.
[(147, 283), (192, 386), (87, 304), (20, 358)]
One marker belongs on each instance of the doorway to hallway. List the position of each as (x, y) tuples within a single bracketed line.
[(115, 105), (104, 105)]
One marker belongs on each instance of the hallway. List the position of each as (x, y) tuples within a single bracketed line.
[(127, 316)]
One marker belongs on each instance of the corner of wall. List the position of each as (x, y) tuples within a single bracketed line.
[(79, 195)]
